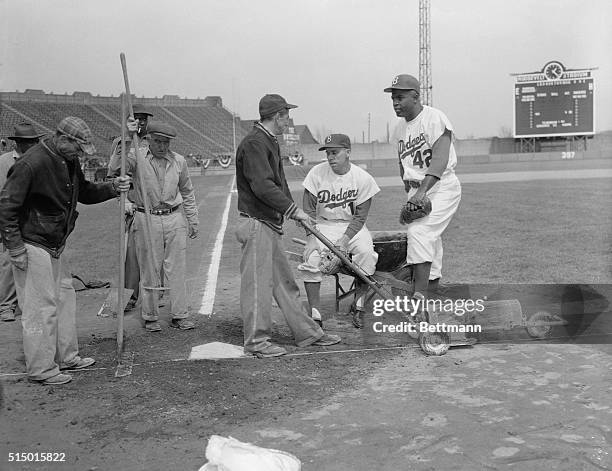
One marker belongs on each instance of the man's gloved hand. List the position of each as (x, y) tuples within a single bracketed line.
[(193, 232), (20, 261)]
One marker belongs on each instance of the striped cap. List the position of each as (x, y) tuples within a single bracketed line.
[(75, 128)]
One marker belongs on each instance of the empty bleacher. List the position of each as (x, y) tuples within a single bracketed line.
[(204, 127)]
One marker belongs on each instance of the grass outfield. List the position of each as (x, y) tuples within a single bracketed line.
[(554, 231)]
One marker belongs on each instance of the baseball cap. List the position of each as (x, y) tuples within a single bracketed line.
[(272, 103), (24, 131), (140, 109), (161, 129), (335, 141), (404, 82), (75, 128)]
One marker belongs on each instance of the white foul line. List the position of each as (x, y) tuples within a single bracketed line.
[(208, 298)]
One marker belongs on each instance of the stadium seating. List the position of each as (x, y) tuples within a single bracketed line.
[(204, 126)]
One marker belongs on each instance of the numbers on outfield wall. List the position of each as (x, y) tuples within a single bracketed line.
[(568, 155)]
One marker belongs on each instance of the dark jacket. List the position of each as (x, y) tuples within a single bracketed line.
[(263, 192), (38, 202)]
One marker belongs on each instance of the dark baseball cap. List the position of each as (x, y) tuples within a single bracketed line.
[(76, 129), (161, 129), (273, 103), (404, 82), (336, 141)]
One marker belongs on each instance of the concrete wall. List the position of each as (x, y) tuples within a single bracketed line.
[(477, 150)]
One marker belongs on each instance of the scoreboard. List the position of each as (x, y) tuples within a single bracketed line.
[(554, 102)]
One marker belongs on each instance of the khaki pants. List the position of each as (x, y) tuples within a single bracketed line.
[(48, 304), (8, 293), (265, 272), (169, 237)]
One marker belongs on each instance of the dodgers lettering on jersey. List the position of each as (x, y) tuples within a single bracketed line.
[(339, 195), (415, 140)]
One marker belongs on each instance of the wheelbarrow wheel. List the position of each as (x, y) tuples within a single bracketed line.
[(434, 343), (540, 331)]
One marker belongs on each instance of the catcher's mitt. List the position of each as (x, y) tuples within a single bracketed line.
[(414, 210), (330, 263)]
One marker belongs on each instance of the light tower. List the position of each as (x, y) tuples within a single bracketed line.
[(425, 53)]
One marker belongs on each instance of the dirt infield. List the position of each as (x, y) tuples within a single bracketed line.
[(386, 407)]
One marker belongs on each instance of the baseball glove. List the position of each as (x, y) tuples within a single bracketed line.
[(330, 263), (414, 210)]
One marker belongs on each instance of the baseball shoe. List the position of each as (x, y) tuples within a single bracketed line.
[(327, 340), (152, 326), (79, 365), (270, 351), (131, 305), (357, 318), (57, 380), (7, 316), (182, 324)]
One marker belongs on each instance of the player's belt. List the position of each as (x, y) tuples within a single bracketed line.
[(160, 211), (413, 183)]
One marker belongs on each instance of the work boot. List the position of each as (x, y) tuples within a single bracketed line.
[(182, 324), (7, 316), (270, 351), (57, 380), (152, 326), (79, 364), (327, 340)]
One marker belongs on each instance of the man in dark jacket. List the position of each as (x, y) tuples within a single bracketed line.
[(37, 214), (264, 201)]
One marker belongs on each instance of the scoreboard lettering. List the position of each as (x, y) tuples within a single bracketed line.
[(554, 102)]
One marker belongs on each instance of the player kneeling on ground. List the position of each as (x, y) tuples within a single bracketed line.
[(338, 195)]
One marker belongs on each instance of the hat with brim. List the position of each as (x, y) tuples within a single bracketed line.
[(403, 82), (24, 131), (77, 130), (161, 129), (140, 109), (336, 141), (273, 103)]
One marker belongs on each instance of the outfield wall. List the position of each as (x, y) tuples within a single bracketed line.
[(471, 151)]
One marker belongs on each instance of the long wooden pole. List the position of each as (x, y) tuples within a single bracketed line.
[(122, 248), (140, 161)]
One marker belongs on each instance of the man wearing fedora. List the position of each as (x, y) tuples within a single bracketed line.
[(25, 136), (37, 214), (169, 191), (264, 202)]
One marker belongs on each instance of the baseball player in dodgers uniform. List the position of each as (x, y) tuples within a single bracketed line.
[(427, 166), (338, 195)]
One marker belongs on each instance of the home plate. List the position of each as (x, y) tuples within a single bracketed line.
[(216, 351)]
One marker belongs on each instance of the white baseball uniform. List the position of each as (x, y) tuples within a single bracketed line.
[(337, 197), (415, 142)]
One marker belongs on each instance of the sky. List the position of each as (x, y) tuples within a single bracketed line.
[(332, 58)]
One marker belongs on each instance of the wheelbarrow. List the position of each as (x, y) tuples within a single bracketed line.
[(391, 248)]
